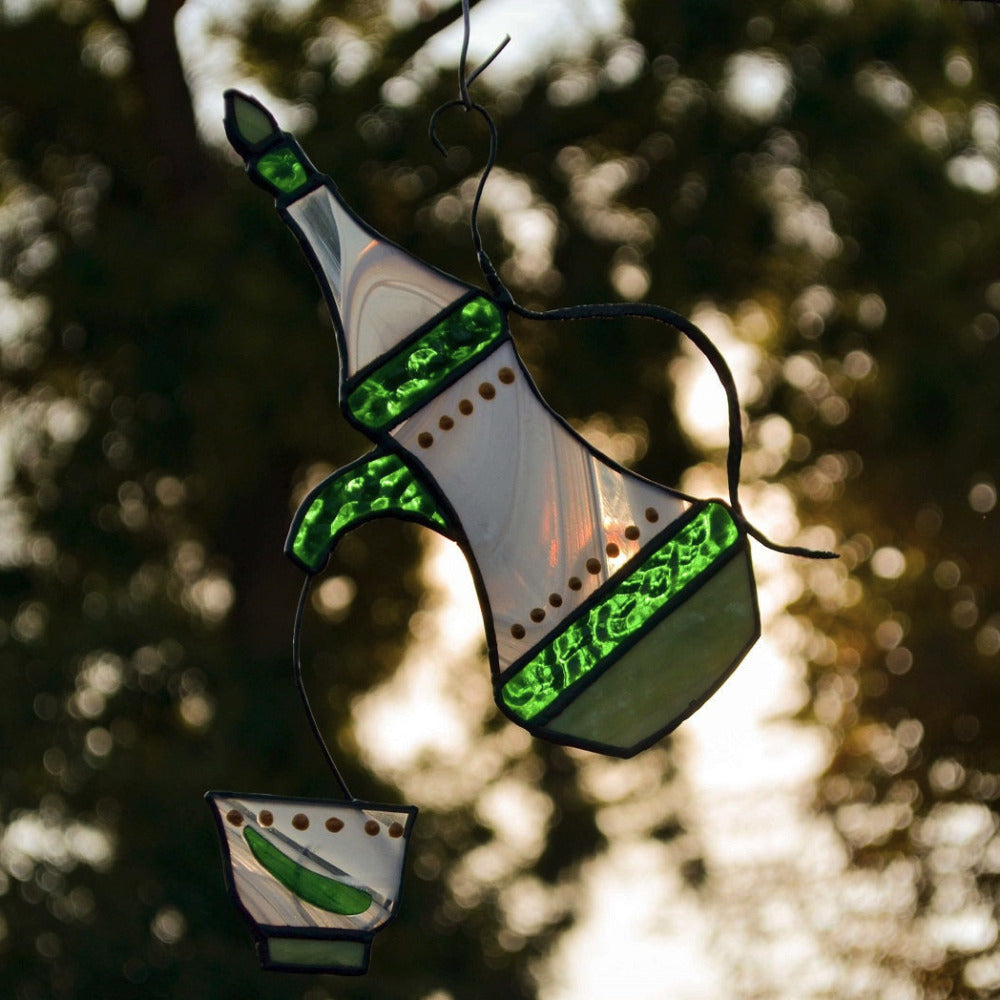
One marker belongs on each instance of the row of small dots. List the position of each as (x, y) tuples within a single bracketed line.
[(518, 631), (486, 389), (301, 822)]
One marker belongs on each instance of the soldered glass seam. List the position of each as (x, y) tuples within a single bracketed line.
[(589, 640), (415, 375)]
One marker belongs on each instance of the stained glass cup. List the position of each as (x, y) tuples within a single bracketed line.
[(315, 879)]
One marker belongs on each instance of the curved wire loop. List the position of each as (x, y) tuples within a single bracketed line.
[(466, 103), (300, 684)]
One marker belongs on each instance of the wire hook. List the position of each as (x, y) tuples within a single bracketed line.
[(466, 103)]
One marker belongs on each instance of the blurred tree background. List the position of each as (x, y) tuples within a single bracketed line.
[(815, 180)]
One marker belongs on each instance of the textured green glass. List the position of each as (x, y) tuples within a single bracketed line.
[(589, 640), (414, 375), (382, 484), (282, 169)]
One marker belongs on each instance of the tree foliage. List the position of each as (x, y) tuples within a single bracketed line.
[(169, 390)]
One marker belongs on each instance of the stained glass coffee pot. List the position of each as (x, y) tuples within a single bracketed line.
[(613, 606)]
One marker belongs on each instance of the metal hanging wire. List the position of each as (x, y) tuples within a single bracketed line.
[(300, 684), (611, 310), (466, 103)]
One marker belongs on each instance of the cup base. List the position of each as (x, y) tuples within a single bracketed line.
[(297, 954)]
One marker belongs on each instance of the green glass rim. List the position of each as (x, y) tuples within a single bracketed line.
[(544, 701)]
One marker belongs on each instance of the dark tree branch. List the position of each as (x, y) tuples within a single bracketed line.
[(173, 133)]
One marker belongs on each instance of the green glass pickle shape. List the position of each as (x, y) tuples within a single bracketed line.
[(415, 375), (319, 890), (282, 169), (380, 484), (590, 639)]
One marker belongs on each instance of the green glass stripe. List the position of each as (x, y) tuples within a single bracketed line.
[(382, 484), (413, 376), (327, 893), (282, 169), (590, 639)]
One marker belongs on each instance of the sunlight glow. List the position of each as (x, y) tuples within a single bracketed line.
[(44, 837), (433, 703), (700, 402), (756, 84), (974, 172), (572, 27)]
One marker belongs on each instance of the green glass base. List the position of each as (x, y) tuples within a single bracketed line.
[(650, 651), (672, 670), (298, 954)]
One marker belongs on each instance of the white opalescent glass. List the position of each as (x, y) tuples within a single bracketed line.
[(381, 292), (534, 501)]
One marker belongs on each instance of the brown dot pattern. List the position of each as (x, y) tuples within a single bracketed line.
[(465, 406), (372, 828), (265, 817), (334, 824), (506, 376), (396, 830), (300, 821), (235, 817), (594, 567)]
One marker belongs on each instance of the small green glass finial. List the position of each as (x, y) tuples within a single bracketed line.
[(274, 164), (248, 123)]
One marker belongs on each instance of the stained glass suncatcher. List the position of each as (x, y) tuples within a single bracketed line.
[(314, 879), (613, 606)]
